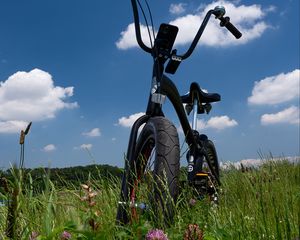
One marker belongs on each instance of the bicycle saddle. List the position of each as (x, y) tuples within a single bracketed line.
[(203, 97)]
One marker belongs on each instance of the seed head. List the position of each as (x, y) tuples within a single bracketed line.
[(193, 232), (85, 187), (92, 194)]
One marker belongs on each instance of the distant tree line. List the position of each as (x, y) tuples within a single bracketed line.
[(64, 177)]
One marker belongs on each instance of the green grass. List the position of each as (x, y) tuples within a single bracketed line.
[(258, 204)]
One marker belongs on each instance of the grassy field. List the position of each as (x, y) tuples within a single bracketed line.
[(258, 204)]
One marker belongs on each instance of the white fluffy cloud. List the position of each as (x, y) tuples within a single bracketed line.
[(30, 96), (95, 132), (221, 122), (290, 115), (86, 146), (12, 126), (217, 123), (128, 39), (177, 8), (277, 89), (129, 121), (49, 148), (281, 88), (248, 19)]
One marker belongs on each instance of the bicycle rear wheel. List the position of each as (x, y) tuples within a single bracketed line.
[(209, 183), (153, 181), (212, 158)]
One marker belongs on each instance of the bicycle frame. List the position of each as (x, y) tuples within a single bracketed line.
[(167, 88), (163, 87)]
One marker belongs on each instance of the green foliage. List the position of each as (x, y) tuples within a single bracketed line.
[(63, 177), (261, 203)]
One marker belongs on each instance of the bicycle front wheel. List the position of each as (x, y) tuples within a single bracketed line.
[(156, 170)]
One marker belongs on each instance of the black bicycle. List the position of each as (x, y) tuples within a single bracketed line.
[(152, 166)]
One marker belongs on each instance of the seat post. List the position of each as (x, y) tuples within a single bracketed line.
[(195, 112)]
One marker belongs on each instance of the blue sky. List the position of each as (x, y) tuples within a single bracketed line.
[(73, 68)]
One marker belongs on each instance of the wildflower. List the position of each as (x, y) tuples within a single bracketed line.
[(97, 213), (85, 187), (193, 232), (89, 199), (84, 198), (156, 234), (89, 195), (92, 194), (192, 202), (65, 235), (33, 236)]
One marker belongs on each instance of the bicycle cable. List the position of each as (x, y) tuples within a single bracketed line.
[(153, 32), (146, 21), (151, 19), (149, 33)]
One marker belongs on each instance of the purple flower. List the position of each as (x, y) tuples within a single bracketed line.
[(156, 234), (33, 236), (192, 202), (65, 235)]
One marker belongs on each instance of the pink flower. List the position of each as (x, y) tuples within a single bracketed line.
[(192, 202), (156, 234), (33, 236), (65, 235)]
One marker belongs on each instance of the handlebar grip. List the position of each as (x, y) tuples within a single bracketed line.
[(225, 22)]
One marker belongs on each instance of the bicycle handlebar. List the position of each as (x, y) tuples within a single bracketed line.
[(198, 35), (137, 28), (218, 12), (225, 22)]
